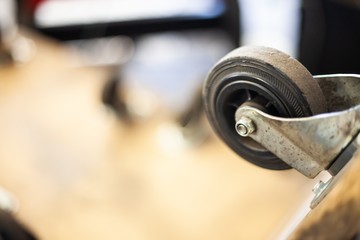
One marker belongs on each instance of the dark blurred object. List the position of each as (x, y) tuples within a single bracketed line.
[(8, 29), (26, 10), (330, 36), (11, 229), (113, 97), (353, 3), (68, 20), (164, 71), (15, 47)]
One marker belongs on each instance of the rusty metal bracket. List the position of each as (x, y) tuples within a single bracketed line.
[(310, 144)]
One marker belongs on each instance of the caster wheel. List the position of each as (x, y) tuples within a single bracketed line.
[(264, 78)]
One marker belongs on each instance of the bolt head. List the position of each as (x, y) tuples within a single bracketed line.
[(241, 129), (245, 126)]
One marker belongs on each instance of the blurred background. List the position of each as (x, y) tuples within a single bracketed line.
[(103, 134)]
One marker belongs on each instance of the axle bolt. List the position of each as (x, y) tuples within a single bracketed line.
[(245, 126)]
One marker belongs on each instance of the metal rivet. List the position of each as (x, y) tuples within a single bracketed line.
[(319, 187)]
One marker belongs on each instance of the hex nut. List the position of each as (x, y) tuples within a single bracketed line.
[(245, 126)]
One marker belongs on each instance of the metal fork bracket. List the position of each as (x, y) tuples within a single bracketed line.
[(317, 143)]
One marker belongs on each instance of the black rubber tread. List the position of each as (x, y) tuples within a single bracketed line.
[(277, 76)]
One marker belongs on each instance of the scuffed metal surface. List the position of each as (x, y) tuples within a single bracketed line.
[(311, 144), (307, 144), (341, 91)]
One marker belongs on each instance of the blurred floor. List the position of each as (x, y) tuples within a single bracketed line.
[(79, 172)]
